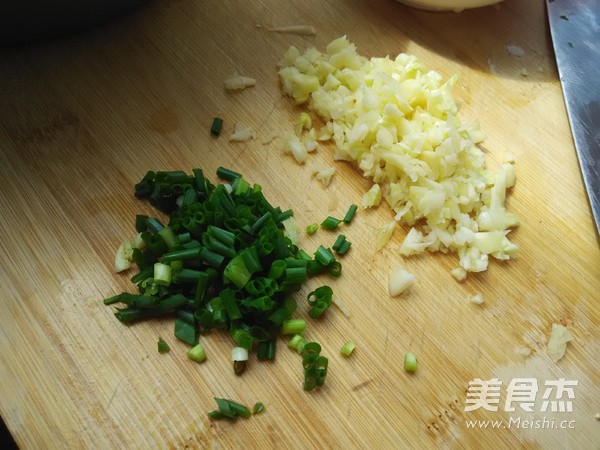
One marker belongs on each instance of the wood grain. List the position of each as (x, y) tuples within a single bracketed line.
[(83, 118)]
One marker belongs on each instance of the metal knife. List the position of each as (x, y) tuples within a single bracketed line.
[(575, 27)]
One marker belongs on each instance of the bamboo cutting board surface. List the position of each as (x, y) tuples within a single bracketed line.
[(83, 118)]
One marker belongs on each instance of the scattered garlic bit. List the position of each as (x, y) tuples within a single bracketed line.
[(384, 234), (270, 137), (124, 254), (459, 274), (123, 257), (399, 123), (306, 30), (325, 133), (323, 173), (238, 82), (303, 122), (557, 344), (292, 230), (294, 146), (372, 197), (337, 302), (400, 280), (241, 133), (310, 140), (515, 50), (524, 72), (477, 299), (597, 416)]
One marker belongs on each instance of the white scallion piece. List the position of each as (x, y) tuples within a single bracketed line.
[(239, 354)]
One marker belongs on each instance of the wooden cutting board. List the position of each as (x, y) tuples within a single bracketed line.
[(83, 118)]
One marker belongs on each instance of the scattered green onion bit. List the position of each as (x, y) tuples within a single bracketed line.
[(227, 174), (341, 245), (217, 124), (162, 274), (320, 300), (258, 408), (312, 228), (293, 326), (410, 362), (350, 214), (229, 410), (163, 347), (347, 348), (315, 366), (297, 343), (330, 223), (197, 353)]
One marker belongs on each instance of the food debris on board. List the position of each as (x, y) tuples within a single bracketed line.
[(239, 82), (399, 124), (557, 344), (477, 299), (304, 30), (515, 50), (242, 133)]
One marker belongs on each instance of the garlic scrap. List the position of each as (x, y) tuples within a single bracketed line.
[(557, 344)]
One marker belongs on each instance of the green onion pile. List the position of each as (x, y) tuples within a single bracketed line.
[(223, 261)]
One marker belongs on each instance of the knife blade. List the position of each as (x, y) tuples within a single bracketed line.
[(575, 28)]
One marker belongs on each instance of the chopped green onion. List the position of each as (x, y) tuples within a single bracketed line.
[(183, 255), (141, 223), (347, 348), (162, 274), (293, 326), (258, 408), (344, 248), (324, 256), (315, 366), (266, 349), (224, 259), (153, 224), (330, 223), (242, 338), (169, 236), (229, 302), (185, 331), (297, 343), (163, 347), (410, 362), (312, 228), (216, 126), (228, 409), (227, 174), (295, 275), (197, 353), (335, 269), (237, 272), (350, 214), (239, 356), (339, 242), (320, 299)]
